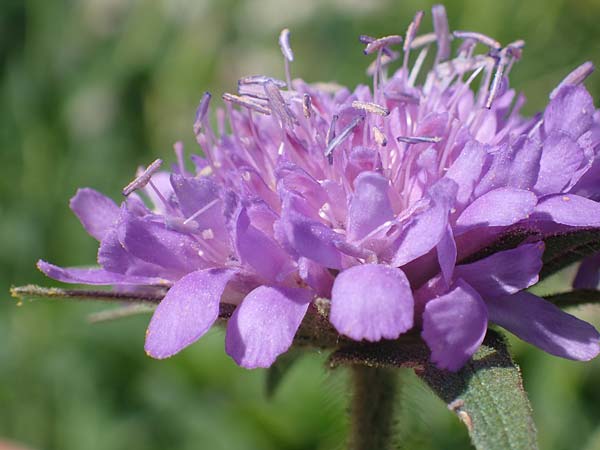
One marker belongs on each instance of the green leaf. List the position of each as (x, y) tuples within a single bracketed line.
[(487, 395), (277, 372), (568, 247), (576, 297)]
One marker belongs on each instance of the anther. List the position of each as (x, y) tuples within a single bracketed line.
[(261, 79), (419, 139), (442, 33), (278, 105), (201, 112), (481, 38), (576, 77), (143, 179), (288, 55), (379, 137), (246, 102), (381, 43), (306, 105), (342, 136), (371, 107)]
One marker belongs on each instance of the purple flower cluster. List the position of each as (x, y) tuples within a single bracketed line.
[(371, 198)]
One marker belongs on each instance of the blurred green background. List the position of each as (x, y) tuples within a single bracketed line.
[(90, 89)]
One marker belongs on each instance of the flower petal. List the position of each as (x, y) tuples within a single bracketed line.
[(114, 258), (77, 275), (466, 170), (427, 227), (372, 302), (561, 158), (201, 198), (454, 326), (259, 251), (568, 209), (188, 311), (264, 325), (306, 236), (316, 276), (370, 205), (588, 274), (504, 272), (570, 111), (544, 325), (500, 207), (96, 212), (446, 253), (153, 242)]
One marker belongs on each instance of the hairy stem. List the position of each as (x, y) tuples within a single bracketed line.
[(372, 410)]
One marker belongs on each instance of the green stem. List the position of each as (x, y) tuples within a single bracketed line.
[(372, 411)]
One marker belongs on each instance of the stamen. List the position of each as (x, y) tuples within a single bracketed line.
[(288, 55), (385, 60), (246, 102), (414, 73), (371, 107), (208, 234), (177, 224), (284, 43), (500, 65), (576, 77), (306, 105), (481, 38), (411, 32), (419, 139), (442, 33), (201, 112), (401, 97), (516, 45), (261, 79), (365, 39), (143, 179), (381, 43), (178, 148), (278, 104), (379, 137), (421, 41), (160, 196), (342, 136), (201, 211), (331, 130)]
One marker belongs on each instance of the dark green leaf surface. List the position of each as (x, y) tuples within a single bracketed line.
[(566, 248), (487, 395)]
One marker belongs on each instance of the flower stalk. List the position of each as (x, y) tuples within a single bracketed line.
[(374, 392)]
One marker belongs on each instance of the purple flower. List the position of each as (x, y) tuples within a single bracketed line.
[(370, 198)]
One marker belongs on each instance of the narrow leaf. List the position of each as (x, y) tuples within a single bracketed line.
[(576, 297), (32, 291), (277, 372), (568, 247), (487, 395), (120, 313)]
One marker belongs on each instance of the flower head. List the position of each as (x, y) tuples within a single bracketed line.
[(377, 199)]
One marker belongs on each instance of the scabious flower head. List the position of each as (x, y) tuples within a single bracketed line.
[(381, 200)]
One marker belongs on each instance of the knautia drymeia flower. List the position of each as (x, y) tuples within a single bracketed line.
[(377, 199)]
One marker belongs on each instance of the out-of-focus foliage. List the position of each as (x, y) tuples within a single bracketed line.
[(90, 89)]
